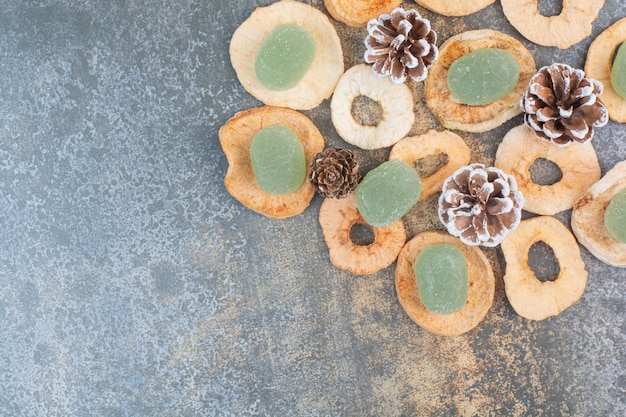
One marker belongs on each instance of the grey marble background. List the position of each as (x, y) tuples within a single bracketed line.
[(133, 284)]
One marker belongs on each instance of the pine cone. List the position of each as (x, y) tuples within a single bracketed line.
[(480, 205), (335, 172), (401, 44), (563, 106)]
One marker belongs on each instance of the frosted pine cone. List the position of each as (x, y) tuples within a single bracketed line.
[(335, 172), (401, 44), (563, 106), (480, 205)]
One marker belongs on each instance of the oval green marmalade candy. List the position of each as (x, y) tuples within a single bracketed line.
[(442, 278), (483, 76), (278, 160), (284, 57), (615, 217), (618, 71), (388, 192)]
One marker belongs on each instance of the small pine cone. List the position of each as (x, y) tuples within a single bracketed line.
[(480, 205), (563, 106), (401, 44), (335, 172)]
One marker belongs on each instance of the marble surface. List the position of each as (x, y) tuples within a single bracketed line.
[(133, 284)]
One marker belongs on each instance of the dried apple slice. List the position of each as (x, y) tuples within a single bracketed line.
[(455, 7), (519, 150), (481, 286), (317, 83), (530, 297), (337, 217), (588, 218), (569, 27), (357, 13), (396, 101), (599, 66), (236, 137), (479, 118)]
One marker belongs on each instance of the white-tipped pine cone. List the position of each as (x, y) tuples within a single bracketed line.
[(563, 106), (400, 45), (480, 205)]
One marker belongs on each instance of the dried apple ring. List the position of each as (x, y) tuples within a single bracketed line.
[(357, 13), (479, 118), (317, 83), (236, 137), (413, 148), (396, 101), (481, 286), (337, 217), (598, 66), (529, 297), (455, 7), (588, 218), (571, 26), (520, 148)]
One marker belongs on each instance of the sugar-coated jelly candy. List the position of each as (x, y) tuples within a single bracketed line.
[(483, 76), (615, 216), (284, 57), (618, 71), (278, 160), (442, 278), (388, 192)]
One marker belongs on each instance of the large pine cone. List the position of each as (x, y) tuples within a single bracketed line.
[(335, 172), (563, 106), (480, 205), (401, 44)]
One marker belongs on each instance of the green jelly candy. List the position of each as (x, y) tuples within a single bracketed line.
[(284, 57), (483, 76), (442, 279), (615, 217), (618, 71), (278, 160), (388, 192)]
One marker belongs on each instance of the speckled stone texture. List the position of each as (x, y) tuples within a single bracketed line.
[(133, 284)]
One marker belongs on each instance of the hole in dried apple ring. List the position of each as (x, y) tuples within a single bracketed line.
[(550, 7), (543, 262), (545, 172), (430, 164), (366, 112), (361, 234)]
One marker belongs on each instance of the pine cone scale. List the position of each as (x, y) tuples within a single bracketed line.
[(420, 48), (553, 129), (507, 219), (421, 31), (409, 60), (545, 94), (498, 205), (417, 72), (564, 112), (481, 227), (547, 113), (577, 127)]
